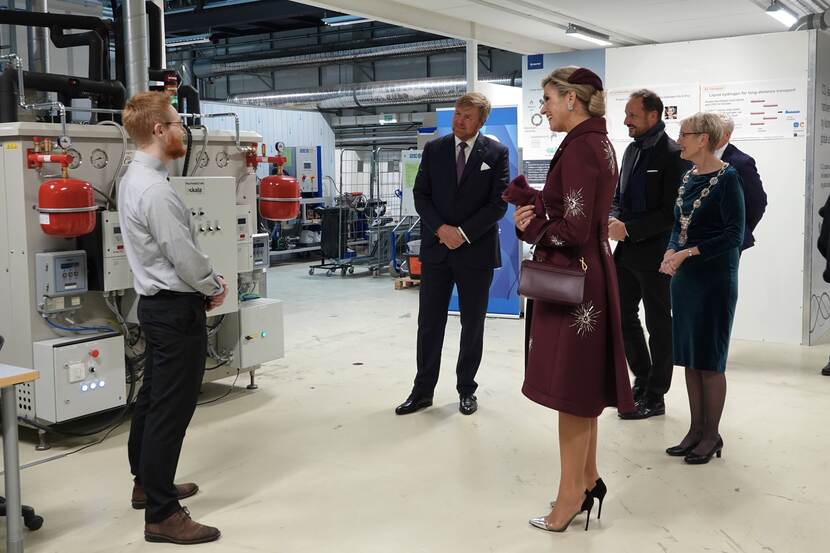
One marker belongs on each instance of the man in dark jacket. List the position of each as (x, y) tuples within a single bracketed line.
[(458, 197), (755, 199), (823, 243), (641, 220)]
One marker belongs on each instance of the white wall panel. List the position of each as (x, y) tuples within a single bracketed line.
[(772, 281), (294, 128)]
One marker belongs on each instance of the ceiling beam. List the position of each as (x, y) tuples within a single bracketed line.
[(403, 15)]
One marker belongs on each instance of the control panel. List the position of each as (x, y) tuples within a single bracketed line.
[(254, 334), (244, 234), (78, 376), (261, 248), (61, 279), (213, 217), (117, 273), (308, 169)]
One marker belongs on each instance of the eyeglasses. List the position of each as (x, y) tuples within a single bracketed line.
[(681, 134)]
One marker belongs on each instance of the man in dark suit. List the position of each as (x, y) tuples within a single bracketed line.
[(642, 216), (458, 197), (824, 250), (755, 199)]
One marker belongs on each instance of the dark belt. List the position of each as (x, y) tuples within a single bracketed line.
[(172, 294)]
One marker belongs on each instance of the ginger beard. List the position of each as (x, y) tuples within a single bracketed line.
[(173, 146)]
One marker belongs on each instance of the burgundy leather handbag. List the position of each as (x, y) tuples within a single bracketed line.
[(544, 282)]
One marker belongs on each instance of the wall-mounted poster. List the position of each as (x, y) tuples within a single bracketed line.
[(679, 102), (410, 162), (761, 109)]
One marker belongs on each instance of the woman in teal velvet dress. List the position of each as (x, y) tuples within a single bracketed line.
[(702, 258)]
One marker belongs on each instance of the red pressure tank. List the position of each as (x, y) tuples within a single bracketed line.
[(279, 198), (67, 207)]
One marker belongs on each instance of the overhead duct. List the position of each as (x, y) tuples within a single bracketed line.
[(819, 21), (39, 47), (367, 140), (384, 93), (136, 40), (205, 68), (39, 43)]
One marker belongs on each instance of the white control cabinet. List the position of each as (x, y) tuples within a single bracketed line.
[(308, 169), (212, 204), (255, 334), (78, 376), (117, 273)]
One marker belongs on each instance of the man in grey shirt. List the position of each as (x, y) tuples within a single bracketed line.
[(176, 284)]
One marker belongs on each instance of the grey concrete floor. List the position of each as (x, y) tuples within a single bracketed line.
[(316, 460)]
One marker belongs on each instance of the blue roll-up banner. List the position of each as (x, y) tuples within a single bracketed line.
[(502, 126)]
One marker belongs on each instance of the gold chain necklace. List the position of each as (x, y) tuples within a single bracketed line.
[(686, 220)]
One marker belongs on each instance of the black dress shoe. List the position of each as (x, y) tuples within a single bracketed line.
[(413, 403), (695, 459), (645, 409), (826, 370), (468, 405)]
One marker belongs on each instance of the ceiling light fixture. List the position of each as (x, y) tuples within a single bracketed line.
[(341, 20), (781, 13), (593, 37)]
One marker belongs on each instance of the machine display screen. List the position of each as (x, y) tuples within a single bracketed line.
[(116, 230), (306, 165), (240, 221), (68, 265)]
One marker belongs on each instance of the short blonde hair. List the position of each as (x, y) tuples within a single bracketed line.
[(478, 100), (142, 112), (707, 123), (591, 98)]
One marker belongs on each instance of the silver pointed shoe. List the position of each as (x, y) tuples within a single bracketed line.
[(542, 524)]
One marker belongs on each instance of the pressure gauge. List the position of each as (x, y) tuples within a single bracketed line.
[(64, 142), (222, 159), (204, 159), (280, 146), (99, 158), (76, 158)]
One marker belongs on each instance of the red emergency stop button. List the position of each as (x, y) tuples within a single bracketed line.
[(94, 353)]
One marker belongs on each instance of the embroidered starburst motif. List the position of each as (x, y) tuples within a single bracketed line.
[(610, 157), (530, 345), (556, 241), (585, 318), (574, 203), (606, 248)]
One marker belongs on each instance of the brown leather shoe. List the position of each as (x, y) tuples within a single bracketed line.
[(181, 529), (182, 491)]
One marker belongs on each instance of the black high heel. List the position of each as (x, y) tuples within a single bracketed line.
[(695, 459), (597, 492), (680, 451), (587, 505)]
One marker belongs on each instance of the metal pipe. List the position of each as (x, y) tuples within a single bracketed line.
[(397, 139), (155, 22), (39, 44), (217, 115), (17, 63), (136, 39), (203, 69), (14, 535), (385, 93)]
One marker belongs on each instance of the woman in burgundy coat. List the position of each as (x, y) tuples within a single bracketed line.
[(574, 355)]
